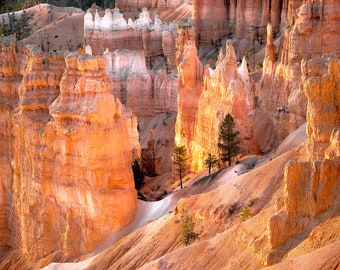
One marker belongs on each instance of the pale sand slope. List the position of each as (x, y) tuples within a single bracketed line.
[(225, 243)]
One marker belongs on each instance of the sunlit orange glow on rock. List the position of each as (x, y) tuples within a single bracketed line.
[(71, 145)]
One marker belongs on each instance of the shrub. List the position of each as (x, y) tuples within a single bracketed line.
[(188, 233), (245, 214)]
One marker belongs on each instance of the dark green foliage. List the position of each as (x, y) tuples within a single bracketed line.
[(188, 234), (228, 142), (211, 162), (15, 5), (20, 27), (180, 161), (138, 175), (188, 227), (23, 29)]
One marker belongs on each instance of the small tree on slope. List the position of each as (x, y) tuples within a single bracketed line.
[(211, 162), (228, 142), (180, 160)]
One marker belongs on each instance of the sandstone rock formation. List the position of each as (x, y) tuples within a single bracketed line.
[(9, 83), (244, 20), (308, 33), (126, 5), (190, 85), (145, 92), (69, 142), (67, 178), (204, 98), (210, 20), (312, 186), (113, 32)]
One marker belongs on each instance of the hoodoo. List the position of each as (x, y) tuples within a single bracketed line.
[(95, 101)]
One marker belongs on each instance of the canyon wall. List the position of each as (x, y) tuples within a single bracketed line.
[(216, 19), (67, 178), (127, 5), (144, 91), (112, 32), (140, 61), (206, 96), (310, 32), (312, 183), (10, 80)]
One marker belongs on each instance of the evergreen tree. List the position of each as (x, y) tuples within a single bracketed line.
[(211, 162), (180, 160), (228, 142), (23, 28), (138, 175)]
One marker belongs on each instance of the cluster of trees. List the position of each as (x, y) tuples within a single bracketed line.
[(20, 27), (228, 145)]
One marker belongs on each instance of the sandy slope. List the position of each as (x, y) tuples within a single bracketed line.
[(54, 28)]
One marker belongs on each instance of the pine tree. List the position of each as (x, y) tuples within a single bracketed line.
[(211, 162), (228, 142), (23, 28), (180, 160)]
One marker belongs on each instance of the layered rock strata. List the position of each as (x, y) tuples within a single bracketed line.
[(310, 32), (190, 85), (113, 32), (10, 80), (312, 185), (67, 178), (126, 5), (215, 19), (144, 91), (210, 20)]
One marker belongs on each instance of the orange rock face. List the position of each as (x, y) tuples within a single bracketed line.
[(190, 85), (9, 83), (69, 181), (323, 110), (312, 187), (307, 32), (204, 98)]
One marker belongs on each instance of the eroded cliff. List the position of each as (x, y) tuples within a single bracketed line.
[(206, 96), (9, 83), (70, 180), (309, 32), (311, 183)]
